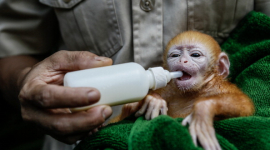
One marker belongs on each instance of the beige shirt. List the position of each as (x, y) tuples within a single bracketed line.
[(120, 29)]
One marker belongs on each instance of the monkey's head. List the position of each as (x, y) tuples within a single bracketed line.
[(198, 56)]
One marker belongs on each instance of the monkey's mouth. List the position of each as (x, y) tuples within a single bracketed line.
[(185, 76)]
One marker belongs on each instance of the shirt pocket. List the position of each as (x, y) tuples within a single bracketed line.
[(217, 17), (88, 25)]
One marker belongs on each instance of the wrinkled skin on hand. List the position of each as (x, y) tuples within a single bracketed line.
[(201, 126), (44, 101)]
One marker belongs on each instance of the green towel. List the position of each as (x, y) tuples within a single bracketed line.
[(249, 50)]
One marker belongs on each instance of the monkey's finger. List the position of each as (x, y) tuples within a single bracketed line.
[(214, 143), (204, 136), (156, 109), (163, 108), (187, 120), (201, 137), (217, 146), (163, 111), (207, 141), (193, 133), (144, 107), (150, 109), (142, 110), (212, 134), (209, 131)]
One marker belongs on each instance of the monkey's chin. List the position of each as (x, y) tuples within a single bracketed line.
[(186, 83)]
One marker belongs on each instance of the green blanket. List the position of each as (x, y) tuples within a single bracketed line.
[(249, 50)]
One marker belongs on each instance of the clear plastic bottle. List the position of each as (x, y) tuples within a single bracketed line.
[(120, 84)]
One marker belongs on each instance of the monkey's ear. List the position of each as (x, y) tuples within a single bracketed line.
[(223, 64)]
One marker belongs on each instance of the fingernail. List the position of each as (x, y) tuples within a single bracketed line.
[(100, 58), (107, 111), (93, 96)]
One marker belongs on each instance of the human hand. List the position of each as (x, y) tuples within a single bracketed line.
[(201, 126), (44, 101)]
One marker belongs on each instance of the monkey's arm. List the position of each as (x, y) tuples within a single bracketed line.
[(225, 105), (207, 108)]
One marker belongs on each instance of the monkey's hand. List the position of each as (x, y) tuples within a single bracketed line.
[(201, 126), (152, 106)]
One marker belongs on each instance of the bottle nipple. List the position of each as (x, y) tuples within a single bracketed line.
[(176, 74)]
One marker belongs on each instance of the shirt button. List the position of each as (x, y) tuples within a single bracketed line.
[(147, 5), (66, 1)]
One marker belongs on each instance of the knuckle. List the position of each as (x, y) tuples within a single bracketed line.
[(44, 99), (61, 53), (85, 57), (88, 55), (55, 59), (71, 57), (25, 91), (163, 103), (149, 98), (85, 54), (153, 102)]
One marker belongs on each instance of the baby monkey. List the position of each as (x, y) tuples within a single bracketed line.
[(201, 95)]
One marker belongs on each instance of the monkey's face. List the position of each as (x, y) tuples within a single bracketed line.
[(192, 60)]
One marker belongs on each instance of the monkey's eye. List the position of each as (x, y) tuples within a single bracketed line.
[(195, 55), (175, 55)]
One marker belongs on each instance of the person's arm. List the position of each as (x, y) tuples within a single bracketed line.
[(13, 69)]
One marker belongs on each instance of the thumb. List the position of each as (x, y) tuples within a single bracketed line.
[(77, 60)]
